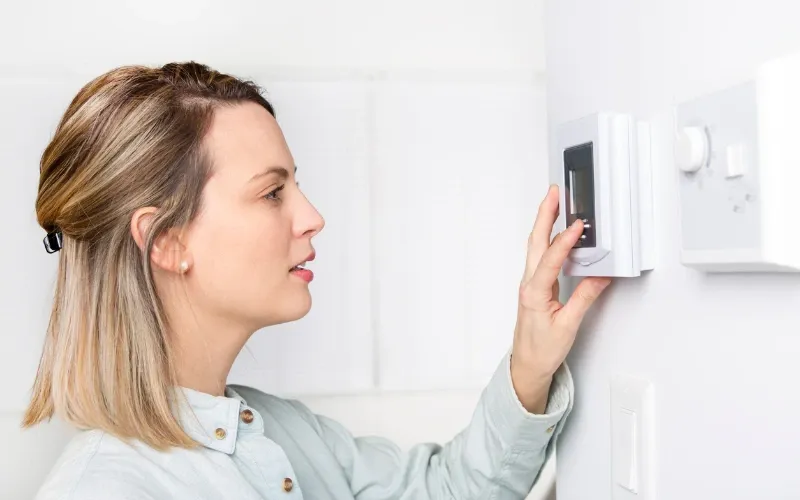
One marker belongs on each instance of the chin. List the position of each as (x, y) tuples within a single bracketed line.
[(302, 310), (291, 309)]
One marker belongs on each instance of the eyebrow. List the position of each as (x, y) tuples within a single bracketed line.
[(280, 171)]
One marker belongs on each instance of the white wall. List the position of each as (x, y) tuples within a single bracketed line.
[(721, 351), (449, 93), (441, 35)]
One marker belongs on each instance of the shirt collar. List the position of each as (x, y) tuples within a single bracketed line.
[(212, 421)]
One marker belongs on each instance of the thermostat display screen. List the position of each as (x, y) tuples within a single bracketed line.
[(579, 193)]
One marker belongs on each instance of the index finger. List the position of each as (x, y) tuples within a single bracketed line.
[(539, 239), (546, 272)]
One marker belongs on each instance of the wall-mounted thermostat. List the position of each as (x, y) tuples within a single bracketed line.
[(604, 176), (737, 153)]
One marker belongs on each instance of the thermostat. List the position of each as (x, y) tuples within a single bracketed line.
[(604, 175)]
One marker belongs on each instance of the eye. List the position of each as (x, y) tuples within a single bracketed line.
[(273, 195)]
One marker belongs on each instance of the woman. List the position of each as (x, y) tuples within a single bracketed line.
[(171, 196)]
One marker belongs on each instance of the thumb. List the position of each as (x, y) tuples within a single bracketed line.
[(585, 294)]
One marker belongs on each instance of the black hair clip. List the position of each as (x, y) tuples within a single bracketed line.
[(54, 241)]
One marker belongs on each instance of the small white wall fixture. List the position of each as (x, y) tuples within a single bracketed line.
[(604, 175), (737, 155)]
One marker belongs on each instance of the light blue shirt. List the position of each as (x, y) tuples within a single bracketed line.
[(261, 447)]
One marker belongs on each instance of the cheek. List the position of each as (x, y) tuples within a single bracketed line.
[(267, 254), (245, 250)]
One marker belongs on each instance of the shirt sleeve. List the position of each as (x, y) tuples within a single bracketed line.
[(499, 455)]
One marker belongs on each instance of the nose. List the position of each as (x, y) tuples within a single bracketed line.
[(309, 221)]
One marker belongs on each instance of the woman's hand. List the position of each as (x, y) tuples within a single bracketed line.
[(546, 329)]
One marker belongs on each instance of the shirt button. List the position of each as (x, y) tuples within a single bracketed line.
[(550, 429), (288, 484), (247, 416), (220, 433)]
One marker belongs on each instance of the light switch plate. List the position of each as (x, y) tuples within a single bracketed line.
[(632, 439)]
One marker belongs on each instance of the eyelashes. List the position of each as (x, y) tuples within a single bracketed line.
[(273, 195)]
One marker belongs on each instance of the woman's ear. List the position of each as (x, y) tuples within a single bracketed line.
[(168, 251)]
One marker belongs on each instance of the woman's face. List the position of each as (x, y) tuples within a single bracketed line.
[(255, 225)]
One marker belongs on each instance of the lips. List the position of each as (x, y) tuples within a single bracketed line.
[(301, 272), (301, 265)]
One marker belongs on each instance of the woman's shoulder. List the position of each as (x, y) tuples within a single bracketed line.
[(93, 466)]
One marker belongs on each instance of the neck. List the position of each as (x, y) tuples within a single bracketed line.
[(205, 354), (204, 344)]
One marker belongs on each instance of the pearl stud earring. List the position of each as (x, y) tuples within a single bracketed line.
[(184, 267)]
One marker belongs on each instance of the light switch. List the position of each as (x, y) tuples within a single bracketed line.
[(632, 439), (736, 160), (625, 444)]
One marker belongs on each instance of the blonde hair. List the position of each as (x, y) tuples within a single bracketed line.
[(131, 138)]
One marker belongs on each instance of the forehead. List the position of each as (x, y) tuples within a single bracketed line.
[(244, 139)]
